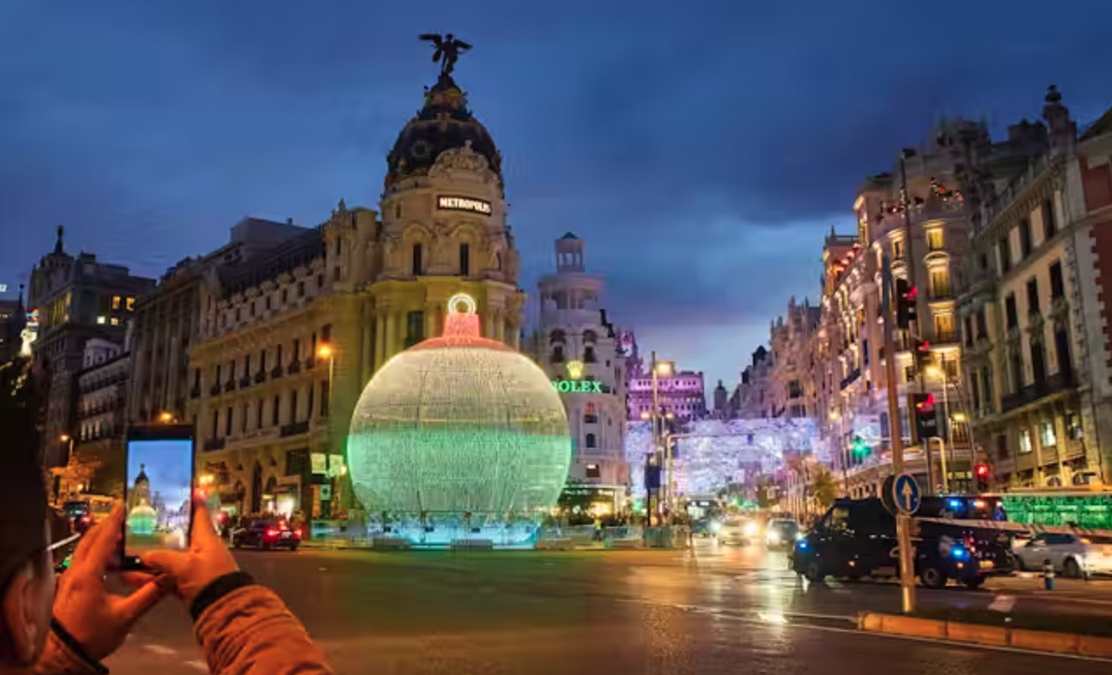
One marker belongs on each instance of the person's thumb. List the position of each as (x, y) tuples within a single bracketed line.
[(202, 532)]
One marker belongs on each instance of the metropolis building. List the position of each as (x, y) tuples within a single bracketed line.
[(580, 351), (288, 342)]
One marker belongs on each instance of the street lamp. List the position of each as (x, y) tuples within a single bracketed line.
[(325, 351), (166, 418)]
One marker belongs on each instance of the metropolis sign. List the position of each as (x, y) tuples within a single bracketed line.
[(577, 386), (463, 204)]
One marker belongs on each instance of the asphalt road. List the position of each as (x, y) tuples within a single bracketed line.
[(719, 611)]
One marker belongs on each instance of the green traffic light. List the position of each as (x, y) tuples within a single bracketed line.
[(859, 447)]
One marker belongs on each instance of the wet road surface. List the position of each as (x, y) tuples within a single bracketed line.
[(719, 611)]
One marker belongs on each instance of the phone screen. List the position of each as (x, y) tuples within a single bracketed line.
[(159, 490)]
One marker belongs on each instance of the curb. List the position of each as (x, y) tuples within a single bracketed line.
[(990, 636)]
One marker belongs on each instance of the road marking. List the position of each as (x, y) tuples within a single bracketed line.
[(1003, 603), (199, 665), (159, 649)]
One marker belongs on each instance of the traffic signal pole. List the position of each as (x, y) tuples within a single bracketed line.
[(895, 432)]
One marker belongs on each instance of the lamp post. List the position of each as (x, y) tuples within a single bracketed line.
[(843, 451), (326, 352), (660, 369)]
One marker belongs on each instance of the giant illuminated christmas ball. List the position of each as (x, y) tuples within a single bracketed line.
[(460, 427)]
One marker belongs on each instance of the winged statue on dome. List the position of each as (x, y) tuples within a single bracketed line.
[(448, 49)]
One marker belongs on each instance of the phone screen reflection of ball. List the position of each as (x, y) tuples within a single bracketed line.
[(142, 520)]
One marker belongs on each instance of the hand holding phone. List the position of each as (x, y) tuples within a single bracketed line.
[(158, 501)]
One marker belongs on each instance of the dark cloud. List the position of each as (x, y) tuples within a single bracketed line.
[(702, 149)]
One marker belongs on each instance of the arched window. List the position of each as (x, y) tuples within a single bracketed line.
[(465, 259), (590, 414), (418, 263), (589, 441)]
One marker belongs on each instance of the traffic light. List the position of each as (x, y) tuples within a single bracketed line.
[(983, 474), (924, 418), (859, 447), (905, 304), (922, 352)]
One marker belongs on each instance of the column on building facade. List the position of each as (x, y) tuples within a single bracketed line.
[(499, 326), (432, 320), (391, 335), (369, 355), (380, 337), (515, 335)]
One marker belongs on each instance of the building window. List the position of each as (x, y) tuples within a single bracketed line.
[(465, 259), (1011, 314), (324, 402), (590, 414), (589, 441), (414, 328), (130, 304), (944, 327), (1073, 427), (101, 320), (243, 419), (1002, 446), (1050, 223), (940, 283), (1004, 252), (114, 321), (301, 289), (417, 265), (897, 250), (1025, 445), (1057, 282), (228, 422), (1024, 238), (293, 406), (1015, 360), (115, 302), (593, 471), (1047, 437), (215, 423), (259, 414), (935, 240), (1032, 296), (274, 411)]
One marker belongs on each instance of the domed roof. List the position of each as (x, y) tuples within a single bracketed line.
[(444, 123)]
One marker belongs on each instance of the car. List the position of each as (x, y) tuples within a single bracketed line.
[(1070, 555), (781, 533), (266, 534), (740, 531)]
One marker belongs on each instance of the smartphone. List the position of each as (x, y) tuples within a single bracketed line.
[(158, 490)]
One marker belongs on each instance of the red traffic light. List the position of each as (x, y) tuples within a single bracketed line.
[(925, 405), (911, 293), (981, 470), (924, 346)]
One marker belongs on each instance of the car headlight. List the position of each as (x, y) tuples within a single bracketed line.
[(773, 538), (715, 526), (751, 528)]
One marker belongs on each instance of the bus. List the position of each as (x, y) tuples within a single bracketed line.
[(86, 510), (1085, 507)]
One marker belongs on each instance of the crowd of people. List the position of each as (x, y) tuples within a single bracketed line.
[(70, 623)]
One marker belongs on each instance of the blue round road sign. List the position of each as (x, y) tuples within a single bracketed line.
[(906, 494)]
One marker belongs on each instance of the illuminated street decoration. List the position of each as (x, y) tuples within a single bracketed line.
[(459, 437), (712, 454)]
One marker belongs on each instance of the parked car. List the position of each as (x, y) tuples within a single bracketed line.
[(1071, 555), (266, 534)]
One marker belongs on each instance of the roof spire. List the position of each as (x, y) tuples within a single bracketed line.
[(58, 248)]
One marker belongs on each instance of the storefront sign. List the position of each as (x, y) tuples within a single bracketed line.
[(463, 204), (577, 387)]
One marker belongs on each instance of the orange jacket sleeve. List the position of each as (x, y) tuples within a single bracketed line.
[(251, 630), (57, 659)]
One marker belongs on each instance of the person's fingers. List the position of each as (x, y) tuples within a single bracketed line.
[(136, 605), (203, 532), (137, 579), (167, 562), (103, 548), (88, 542)]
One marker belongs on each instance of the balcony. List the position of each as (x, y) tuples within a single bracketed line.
[(294, 429), (310, 362), (850, 379), (244, 382), (214, 390), (294, 368), (276, 372), (214, 444), (260, 377), (1054, 384), (230, 385), (195, 392), (590, 419)]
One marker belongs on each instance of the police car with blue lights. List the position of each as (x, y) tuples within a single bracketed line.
[(856, 538)]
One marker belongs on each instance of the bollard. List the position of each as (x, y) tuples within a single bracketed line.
[(1048, 574)]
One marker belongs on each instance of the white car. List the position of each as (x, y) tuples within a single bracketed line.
[(1071, 555)]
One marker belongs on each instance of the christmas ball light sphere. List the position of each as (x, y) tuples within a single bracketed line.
[(459, 427)]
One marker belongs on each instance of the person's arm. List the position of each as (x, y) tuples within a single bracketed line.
[(245, 628)]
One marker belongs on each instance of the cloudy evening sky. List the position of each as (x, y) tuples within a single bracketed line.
[(701, 148)]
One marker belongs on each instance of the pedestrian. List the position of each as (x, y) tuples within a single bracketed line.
[(69, 625)]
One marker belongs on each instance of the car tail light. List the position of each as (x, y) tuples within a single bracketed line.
[(1085, 541), (272, 532), (297, 534)]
